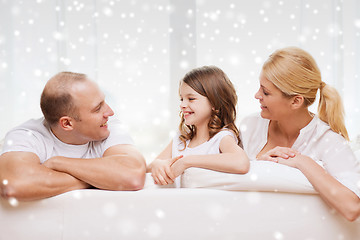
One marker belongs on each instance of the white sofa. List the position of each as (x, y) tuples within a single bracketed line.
[(270, 202)]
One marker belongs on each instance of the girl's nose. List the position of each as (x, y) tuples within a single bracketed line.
[(182, 104)]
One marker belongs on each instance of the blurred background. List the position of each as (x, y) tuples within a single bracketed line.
[(138, 50)]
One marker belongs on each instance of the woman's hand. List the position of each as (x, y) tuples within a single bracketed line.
[(161, 170), (279, 154), (294, 161)]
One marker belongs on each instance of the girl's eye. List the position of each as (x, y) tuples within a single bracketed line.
[(265, 93), (191, 99)]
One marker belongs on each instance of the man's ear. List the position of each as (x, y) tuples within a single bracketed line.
[(297, 101), (66, 123)]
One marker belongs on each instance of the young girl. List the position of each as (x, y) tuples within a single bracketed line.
[(207, 137)]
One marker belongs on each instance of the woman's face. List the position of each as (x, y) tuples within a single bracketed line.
[(274, 105)]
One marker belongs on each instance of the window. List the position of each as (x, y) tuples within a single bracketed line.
[(137, 51)]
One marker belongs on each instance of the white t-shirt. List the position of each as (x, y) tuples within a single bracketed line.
[(35, 136), (210, 147), (315, 140)]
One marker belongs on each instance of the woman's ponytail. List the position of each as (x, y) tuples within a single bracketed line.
[(331, 110)]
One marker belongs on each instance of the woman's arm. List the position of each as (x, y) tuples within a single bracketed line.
[(332, 191), (232, 159), (338, 196)]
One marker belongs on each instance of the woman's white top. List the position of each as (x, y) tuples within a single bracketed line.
[(315, 140)]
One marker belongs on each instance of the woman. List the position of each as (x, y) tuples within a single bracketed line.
[(287, 133)]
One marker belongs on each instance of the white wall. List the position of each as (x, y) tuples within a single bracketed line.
[(138, 50)]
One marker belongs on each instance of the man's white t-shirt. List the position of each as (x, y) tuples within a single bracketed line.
[(316, 140), (35, 136)]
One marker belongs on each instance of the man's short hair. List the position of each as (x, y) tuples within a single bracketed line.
[(56, 100)]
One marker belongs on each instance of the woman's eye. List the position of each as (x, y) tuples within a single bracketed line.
[(191, 99)]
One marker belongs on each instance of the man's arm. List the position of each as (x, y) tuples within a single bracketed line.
[(122, 167), (24, 178)]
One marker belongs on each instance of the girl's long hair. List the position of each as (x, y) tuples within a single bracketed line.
[(212, 83)]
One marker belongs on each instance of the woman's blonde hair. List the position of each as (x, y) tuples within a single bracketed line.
[(212, 83), (295, 72)]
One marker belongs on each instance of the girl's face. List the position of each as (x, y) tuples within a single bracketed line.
[(195, 107), (274, 105)]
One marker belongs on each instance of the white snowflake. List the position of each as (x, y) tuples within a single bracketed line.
[(160, 213), (13, 202), (253, 177), (357, 23), (37, 72), (278, 235), (107, 11)]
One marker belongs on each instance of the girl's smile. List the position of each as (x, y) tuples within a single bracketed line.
[(196, 108)]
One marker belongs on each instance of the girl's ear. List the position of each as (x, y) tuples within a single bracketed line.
[(66, 123), (297, 101)]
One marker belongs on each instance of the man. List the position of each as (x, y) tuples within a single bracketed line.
[(72, 147)]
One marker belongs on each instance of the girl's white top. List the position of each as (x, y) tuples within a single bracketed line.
[(210, 147)]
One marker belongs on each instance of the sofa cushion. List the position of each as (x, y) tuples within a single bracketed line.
[(263, 176)]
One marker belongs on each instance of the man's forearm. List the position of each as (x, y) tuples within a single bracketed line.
[(39, 185), (115, 172), (24, 178)]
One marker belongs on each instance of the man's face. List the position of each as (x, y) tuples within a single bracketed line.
[(93, 112)]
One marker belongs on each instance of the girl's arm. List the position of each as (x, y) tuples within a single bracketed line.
[(160, 167), (232, 159), (346, 202)]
